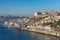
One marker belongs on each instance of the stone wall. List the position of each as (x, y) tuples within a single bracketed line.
[(53, 33)]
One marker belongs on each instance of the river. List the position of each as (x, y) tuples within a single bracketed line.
[(13, 34)]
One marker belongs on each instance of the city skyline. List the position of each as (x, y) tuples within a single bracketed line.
[(27, 7)]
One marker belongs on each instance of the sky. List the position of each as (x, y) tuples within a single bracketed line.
[(27, 7)]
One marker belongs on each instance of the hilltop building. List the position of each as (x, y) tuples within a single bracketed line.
[(41, 14)]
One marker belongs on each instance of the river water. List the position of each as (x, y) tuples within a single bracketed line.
[(13, 34)]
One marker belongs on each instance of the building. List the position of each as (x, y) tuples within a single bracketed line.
[(37, 13), (55, 15), (41, 14)]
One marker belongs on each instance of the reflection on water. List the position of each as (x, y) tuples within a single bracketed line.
[(13, 34), (37, 36)]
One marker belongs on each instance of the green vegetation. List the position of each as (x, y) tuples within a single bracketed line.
[(35, 19), (54, 25)]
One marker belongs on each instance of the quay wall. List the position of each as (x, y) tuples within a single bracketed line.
[(53, 33)]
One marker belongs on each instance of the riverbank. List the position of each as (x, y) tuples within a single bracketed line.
[(52, 33)]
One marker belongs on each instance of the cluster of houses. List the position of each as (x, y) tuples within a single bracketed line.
[(44, 17), (36, 21)]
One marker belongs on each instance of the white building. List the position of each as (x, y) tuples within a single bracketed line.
[(39, 14)]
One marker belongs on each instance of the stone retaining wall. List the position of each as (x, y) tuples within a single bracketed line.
[(54, 33)]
